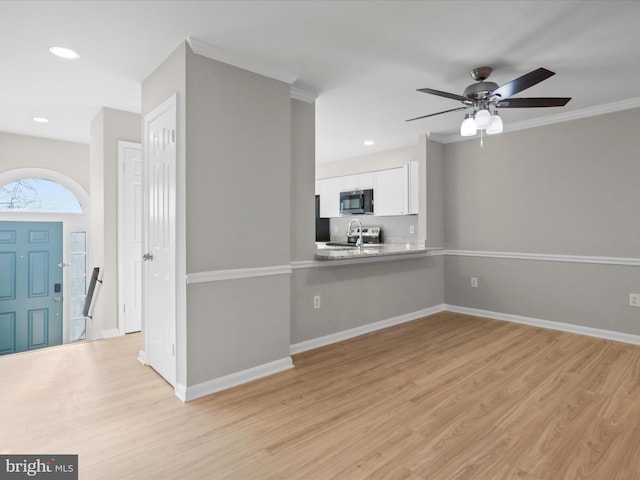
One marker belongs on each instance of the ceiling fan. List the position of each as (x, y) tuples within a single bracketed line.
[(486, 97)]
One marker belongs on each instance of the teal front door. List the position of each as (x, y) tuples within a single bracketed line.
[(30, 285)]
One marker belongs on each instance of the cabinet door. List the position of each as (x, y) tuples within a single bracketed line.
[(329, 189), (414, 188), (360, 181), (349, 183), (390, 192), (365, 180)]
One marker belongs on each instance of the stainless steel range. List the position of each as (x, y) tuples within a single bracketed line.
[(371, 234)]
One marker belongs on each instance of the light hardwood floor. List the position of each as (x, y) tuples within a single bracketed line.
[(446, 397)]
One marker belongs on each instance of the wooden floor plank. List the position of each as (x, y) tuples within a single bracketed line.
[(446, 397)]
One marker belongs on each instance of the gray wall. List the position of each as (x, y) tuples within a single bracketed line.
[(434, 194), (238, 167), (107, 128), (70, 159), (588, 295), (236, 325), (234, 189), (568, 188), (303, 151), (238, 191), (358, 294), (564, 189)]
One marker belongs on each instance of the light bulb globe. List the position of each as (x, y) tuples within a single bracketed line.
[(483, 118), (468, 127), (496, 124)]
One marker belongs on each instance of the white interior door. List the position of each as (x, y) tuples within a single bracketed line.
[(130, 236), (159, 270)]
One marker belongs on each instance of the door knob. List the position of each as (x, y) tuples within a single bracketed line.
[(147, 256), (57, 299)]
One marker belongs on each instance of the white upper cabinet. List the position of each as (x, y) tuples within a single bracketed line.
[(329, 191), (395, 191), (360, 181), (391, 191)]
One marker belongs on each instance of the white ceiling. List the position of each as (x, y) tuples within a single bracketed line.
[(363, 59)]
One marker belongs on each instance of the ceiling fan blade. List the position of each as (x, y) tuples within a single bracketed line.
[(440, 93), (533, 102), (521, 83), (439, 113)]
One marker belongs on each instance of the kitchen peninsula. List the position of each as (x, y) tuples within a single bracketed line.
[(328, 252)]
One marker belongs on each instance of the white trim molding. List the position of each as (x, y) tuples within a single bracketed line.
[(551, 325), (186, 394), (142, 357), (550, 120), (237, 273), (111, 333), (368, 328), (631, 262), (303, 95)]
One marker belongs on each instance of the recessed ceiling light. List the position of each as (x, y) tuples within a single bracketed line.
[(65, 53), (40, 119), (368, 143)]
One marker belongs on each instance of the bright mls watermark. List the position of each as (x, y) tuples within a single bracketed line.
[(52, 467)]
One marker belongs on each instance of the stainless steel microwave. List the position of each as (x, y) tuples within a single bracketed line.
[(356, 202)]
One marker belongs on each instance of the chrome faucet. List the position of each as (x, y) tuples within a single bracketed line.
[(359, 241)]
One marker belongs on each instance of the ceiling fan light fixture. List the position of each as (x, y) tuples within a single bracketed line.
[(496, 125), (483, 118), (468, 127)]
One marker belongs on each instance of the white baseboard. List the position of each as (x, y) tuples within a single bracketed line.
[(355, 332), (536, 322), (142, 357), (187, 394), (114, 332)]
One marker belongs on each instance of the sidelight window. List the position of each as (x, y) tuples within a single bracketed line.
[(78, 278)]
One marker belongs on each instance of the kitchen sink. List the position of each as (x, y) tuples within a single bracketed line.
[(337, 246), (349, 246)]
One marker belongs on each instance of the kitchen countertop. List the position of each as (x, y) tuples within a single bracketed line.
[(324, 252)]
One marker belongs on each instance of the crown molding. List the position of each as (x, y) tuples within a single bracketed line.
[(251, 64), (550, 120), (307, 96)]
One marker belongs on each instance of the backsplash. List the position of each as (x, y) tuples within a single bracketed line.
[(394, 229)]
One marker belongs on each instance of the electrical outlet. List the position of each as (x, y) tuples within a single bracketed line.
[(634, 299), (412, 229), (474, 282), (316, 301)]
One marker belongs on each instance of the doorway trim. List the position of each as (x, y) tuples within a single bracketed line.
[(71, 222), (122, 230)]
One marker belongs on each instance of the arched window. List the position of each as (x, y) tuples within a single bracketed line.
[(38, 195)]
